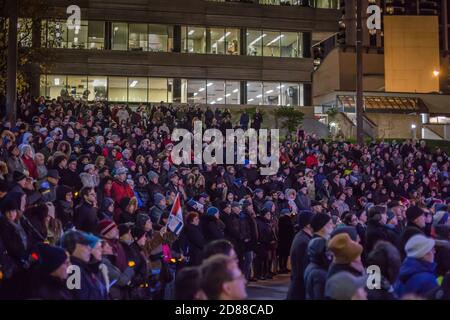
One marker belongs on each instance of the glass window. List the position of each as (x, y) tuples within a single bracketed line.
[(272, 93), (232, 39), (96, 35), (170, 90), (56, 85), (193, 39), (290, 45), (119, 36), (24, 32), (78, 87), (196, 91), (157, 90), (160, 38), (216, 91), (217, 40), (43, 85), (271, 44), (254, 43), (117, 89), (97, 87), (138, 40), (137, 89), (232, 92), (289, 94), (254, 92), (77, 37), (56, 34)]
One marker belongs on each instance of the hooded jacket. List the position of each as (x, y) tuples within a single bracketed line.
[(416, 277)]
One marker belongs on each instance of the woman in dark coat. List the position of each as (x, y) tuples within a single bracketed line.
[(213, 228), (315, 275), (194, 238), (64, 206), (285, 237)]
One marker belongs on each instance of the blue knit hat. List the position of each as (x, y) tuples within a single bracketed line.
[(268, 205), (212, 211), (157, 198), (91, 239)]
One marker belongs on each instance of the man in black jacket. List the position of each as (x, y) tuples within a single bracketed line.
[(416, 225), (85, 215), (249, 235), (230, 217), (70, 176), (377, 229), (299, 256)]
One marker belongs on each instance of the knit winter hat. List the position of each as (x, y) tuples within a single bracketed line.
[(418, 246), (157, 197), (319, 220), (343, 286), (268, 205), (304, 218), (212, 211), (107, 202), (50, 258), (105, 226), (151, 175), (124, 228), (413, 213), (137, 233), (345, 250)]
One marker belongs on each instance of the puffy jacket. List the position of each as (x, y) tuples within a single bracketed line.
[(120, 190), (416, 277)]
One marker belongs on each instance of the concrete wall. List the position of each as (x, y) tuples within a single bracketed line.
[(411, 53), (395, 125)]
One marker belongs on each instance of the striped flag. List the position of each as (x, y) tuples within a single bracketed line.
[(175, 223)]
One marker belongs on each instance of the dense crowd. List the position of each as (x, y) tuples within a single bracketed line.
[(86, 193)]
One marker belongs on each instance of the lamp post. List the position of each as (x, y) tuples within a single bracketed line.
[(359, 74)]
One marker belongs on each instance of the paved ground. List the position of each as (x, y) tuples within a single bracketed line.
[(275, 289)]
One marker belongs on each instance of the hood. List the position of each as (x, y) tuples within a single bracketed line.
[(26, 135), (413, 266), (317, 252)]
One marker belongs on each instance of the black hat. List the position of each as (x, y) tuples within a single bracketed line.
[(264, 211), (124, 203), (124, 228), (50, 257), (319, 220), (52, 173), (10, 204), (18, 176), (304, 218), (137, 233), (413, 212), (315, 203)]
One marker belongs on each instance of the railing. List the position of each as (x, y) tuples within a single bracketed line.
[(321, 4)]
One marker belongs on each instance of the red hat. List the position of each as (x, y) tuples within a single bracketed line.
[(105, 226)]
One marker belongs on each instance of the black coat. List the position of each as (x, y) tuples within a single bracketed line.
[(213, 229), (299, 260), (46, 287), (232, 234), (195, 242), (15, 240), (286, 235), (70, 178), (265, 237), (410, 231), (442, 258), (64, 212), (249, 232), (376, 232), (90, 284), (85, 218)]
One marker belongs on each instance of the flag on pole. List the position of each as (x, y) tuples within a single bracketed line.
[(175, 223)]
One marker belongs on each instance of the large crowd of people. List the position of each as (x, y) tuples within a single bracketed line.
[(86, 193)]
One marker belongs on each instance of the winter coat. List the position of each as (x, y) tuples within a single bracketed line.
[(47, 287), (120, 190), (71, 178), (64, 212), (410, 231), (249, 232), (286, 235), (85, 217), (299, 260), (315, 275), (232, 233), (265, 237), (15, 240), (195, 242), (376, 232), (120, 281), (91, 287), (442, 258), (213, 229), (303, 202), (416, 277)]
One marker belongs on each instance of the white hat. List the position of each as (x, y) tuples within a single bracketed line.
[(418, 246)]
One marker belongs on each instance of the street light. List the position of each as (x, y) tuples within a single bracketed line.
[(436, 73)]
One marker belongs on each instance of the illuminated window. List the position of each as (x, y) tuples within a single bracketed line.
[(138, 37), (120, 36), (97, 87), (78, 36), (254, 42), (157, 90), (117, 89), (137, 90), (96, 35)]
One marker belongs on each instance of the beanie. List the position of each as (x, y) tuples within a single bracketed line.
[(124, 228), (91, 239), (304, 218), (350, 230), (104, 226), (212, 211), (50, 258), (268, 205), (413, 213), (157, 198), (124, 203), (418, 246), (345, 250), (141, 220), (137, 233), (319, 220)]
